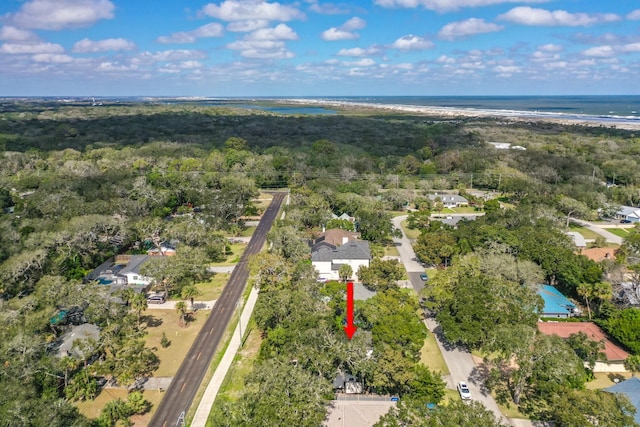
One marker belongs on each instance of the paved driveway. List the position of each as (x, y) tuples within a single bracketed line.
[(459, 361)]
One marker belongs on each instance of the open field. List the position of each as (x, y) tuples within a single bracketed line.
[(622, 232), (411, 234), (92, 408), (232, 258)]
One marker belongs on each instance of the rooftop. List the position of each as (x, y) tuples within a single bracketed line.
[(631, 388), (593, 331), (355, 249), (555, 302)]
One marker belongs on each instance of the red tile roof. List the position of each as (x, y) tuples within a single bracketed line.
[(599, 254), (564, 329)]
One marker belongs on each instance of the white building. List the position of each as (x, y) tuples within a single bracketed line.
[(327, 258)]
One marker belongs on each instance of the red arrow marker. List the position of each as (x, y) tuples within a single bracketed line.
[(350, 328)]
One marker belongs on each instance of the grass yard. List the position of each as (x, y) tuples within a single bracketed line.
[(248, 232), (411, 234), (391, 250), (181, 338), (242, 366), (92, 408), (212, 289), (604, 379), (585, 232), (431, 357), (233, 257), (621, 232)]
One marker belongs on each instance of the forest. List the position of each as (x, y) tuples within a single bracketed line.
[(80, 184)]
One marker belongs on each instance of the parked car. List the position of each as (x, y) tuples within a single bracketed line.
[(463, 389), (625, 221), (156, 299), (424, 277)]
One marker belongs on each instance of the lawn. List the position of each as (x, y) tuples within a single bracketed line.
[(621, 232), (431, 357), (158, 321), (181, 338), (585, 232), (234, 382), (92, 408), (233, 256), (411, 234), (604, 379), (391, 250), (212, 289)]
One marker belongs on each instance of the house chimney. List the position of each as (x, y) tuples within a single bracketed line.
[(345, 239), (323, 228)]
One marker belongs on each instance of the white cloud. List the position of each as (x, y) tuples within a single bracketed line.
[(364, 62), (17, 48), (345, 31), (266, 43), (60, 14), (600, 51), (236, 10), (333, 34), (14, 34), (411, 42), (631, 47), (326, 8), (550, 47), (209, 30), (460, 29), (168, 56), (525, 15), (507, 69), (52, 58), (353, 24), (247, 26), (634, 15), (444, 59), (280, 32), (91, 46), (447, 5), (358, 52)]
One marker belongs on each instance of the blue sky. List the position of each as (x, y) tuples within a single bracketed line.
[(319, 48)]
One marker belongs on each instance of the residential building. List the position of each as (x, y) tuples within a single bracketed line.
[(628, 213), (328, 257), (449, 200), (556, 304), (631, 389)]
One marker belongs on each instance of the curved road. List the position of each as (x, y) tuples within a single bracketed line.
[(611, 238), (180, 394), (459, 361)]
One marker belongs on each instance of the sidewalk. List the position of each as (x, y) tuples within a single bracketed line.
[(206, 403)]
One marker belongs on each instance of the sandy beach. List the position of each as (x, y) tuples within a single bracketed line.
[(629, 123)]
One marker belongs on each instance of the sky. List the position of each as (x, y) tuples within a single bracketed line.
[(257, 48)]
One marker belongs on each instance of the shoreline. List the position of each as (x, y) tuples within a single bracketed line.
[(618, 122)]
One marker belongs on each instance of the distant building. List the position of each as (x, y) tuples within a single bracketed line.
[(628, 213), (121, 270), (578, 239), (449, 200)]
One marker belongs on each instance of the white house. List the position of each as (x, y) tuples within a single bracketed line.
[(450, 200), (327, 258), (628, 213)]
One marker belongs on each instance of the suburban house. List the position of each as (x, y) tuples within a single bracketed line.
[(344, 216), (628, 213), (347, 383), (335, 248), (449, 200), (556, 304), (631, 389), (121, 270), (599, 254), (453, 221), (614, 355), (578, 239)]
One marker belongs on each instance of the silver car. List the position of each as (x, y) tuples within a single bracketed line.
[(463, 389)]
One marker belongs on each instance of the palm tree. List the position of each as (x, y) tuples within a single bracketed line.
[(586, 291), (139, 304), (181, 309), (190, 292), (345, 272)]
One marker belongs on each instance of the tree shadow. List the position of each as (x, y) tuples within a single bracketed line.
[(478, 377), (151, 321), (616, 378), (446, 344)]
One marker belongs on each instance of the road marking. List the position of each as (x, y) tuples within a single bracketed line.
[(183, 385), (199, 354), (165, 423)]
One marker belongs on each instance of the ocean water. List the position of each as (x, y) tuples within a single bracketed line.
[(619, 108)]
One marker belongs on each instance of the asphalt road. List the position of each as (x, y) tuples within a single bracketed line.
[(180, 394), (611, 238), (459, 361)]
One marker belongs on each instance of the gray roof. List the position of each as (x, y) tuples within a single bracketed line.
[(354, 249), (578, 239), (80, 332), (449, 198), (630, 388), (627, 210), (134, 264)]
